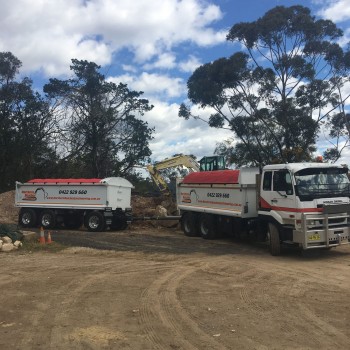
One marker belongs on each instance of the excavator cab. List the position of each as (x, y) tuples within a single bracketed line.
[(212, 163)]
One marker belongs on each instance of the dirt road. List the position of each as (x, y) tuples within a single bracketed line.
[(156, 289)]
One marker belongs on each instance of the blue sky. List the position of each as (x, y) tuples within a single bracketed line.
[(152, 45)]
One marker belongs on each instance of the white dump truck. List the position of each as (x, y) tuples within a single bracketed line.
[(305, 204), (96, 203)]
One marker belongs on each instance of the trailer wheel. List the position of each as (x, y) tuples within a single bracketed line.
[(206, 226), (274, 240), (48, 219), (189, 224), (27, 217), (119, 221), (95, 221)]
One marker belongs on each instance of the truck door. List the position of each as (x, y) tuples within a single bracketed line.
[(277, 192)]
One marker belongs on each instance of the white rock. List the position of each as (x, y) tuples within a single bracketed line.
[(6, 239), (7, 247), (161, 211), (18, 244)]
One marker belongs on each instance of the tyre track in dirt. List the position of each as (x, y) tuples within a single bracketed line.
[(291, 276), (283, 295), (52, 309), (60, 334), (292, 312), (160, 302), (59, 307), (183, 292)]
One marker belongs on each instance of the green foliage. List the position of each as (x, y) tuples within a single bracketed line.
[(10, 231), (274, 95), (104, 137), (339, 126), (26, 127)]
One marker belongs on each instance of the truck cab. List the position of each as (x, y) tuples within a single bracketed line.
[(306, 204)]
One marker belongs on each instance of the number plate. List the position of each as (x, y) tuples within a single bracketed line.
[(315, 237)]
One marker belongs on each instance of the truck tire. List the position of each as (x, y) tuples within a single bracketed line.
[(27, 217), (207, 227), (274, 240), (119, 222), (48, 219), (189, 224), (95, 221)]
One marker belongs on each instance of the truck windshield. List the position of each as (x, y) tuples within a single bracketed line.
[(314, 183)]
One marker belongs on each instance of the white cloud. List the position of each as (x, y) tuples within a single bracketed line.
[(153, 85), (345, 159), (176, 135), (46, 35), (190, 64), (345, 38), (129, 68), (336, 10), (173, 134), (164, 61)]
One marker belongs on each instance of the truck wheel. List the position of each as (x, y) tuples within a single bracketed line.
[(27, 218), (189, 224), (274, 240), (48, 219), (95, 221), (206, 226)]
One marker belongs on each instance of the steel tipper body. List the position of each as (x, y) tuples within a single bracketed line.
[(212, 202), (305, 204), (95, 202)]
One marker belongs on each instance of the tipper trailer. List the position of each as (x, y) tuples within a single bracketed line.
[(96, 203), (304, 204)]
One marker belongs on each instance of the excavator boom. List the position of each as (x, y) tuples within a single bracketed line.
[(174, 162)]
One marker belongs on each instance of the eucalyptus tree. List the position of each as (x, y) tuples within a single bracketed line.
[(27, 126), (103, 132), (277, 92)]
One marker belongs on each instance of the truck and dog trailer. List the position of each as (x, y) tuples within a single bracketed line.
[(303, 204)]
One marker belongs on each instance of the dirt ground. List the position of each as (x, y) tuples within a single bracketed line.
[(150, 287), (157, 289)]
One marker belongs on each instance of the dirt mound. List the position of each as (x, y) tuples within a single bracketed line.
[(8, 211), (146, 206)]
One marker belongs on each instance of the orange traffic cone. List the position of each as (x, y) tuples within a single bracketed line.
[(49, 240), (42, 236)]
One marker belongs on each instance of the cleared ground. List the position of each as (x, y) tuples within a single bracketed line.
[(157, 289)]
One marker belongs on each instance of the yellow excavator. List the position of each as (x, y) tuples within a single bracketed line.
[(211, 163), (180, 161)]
